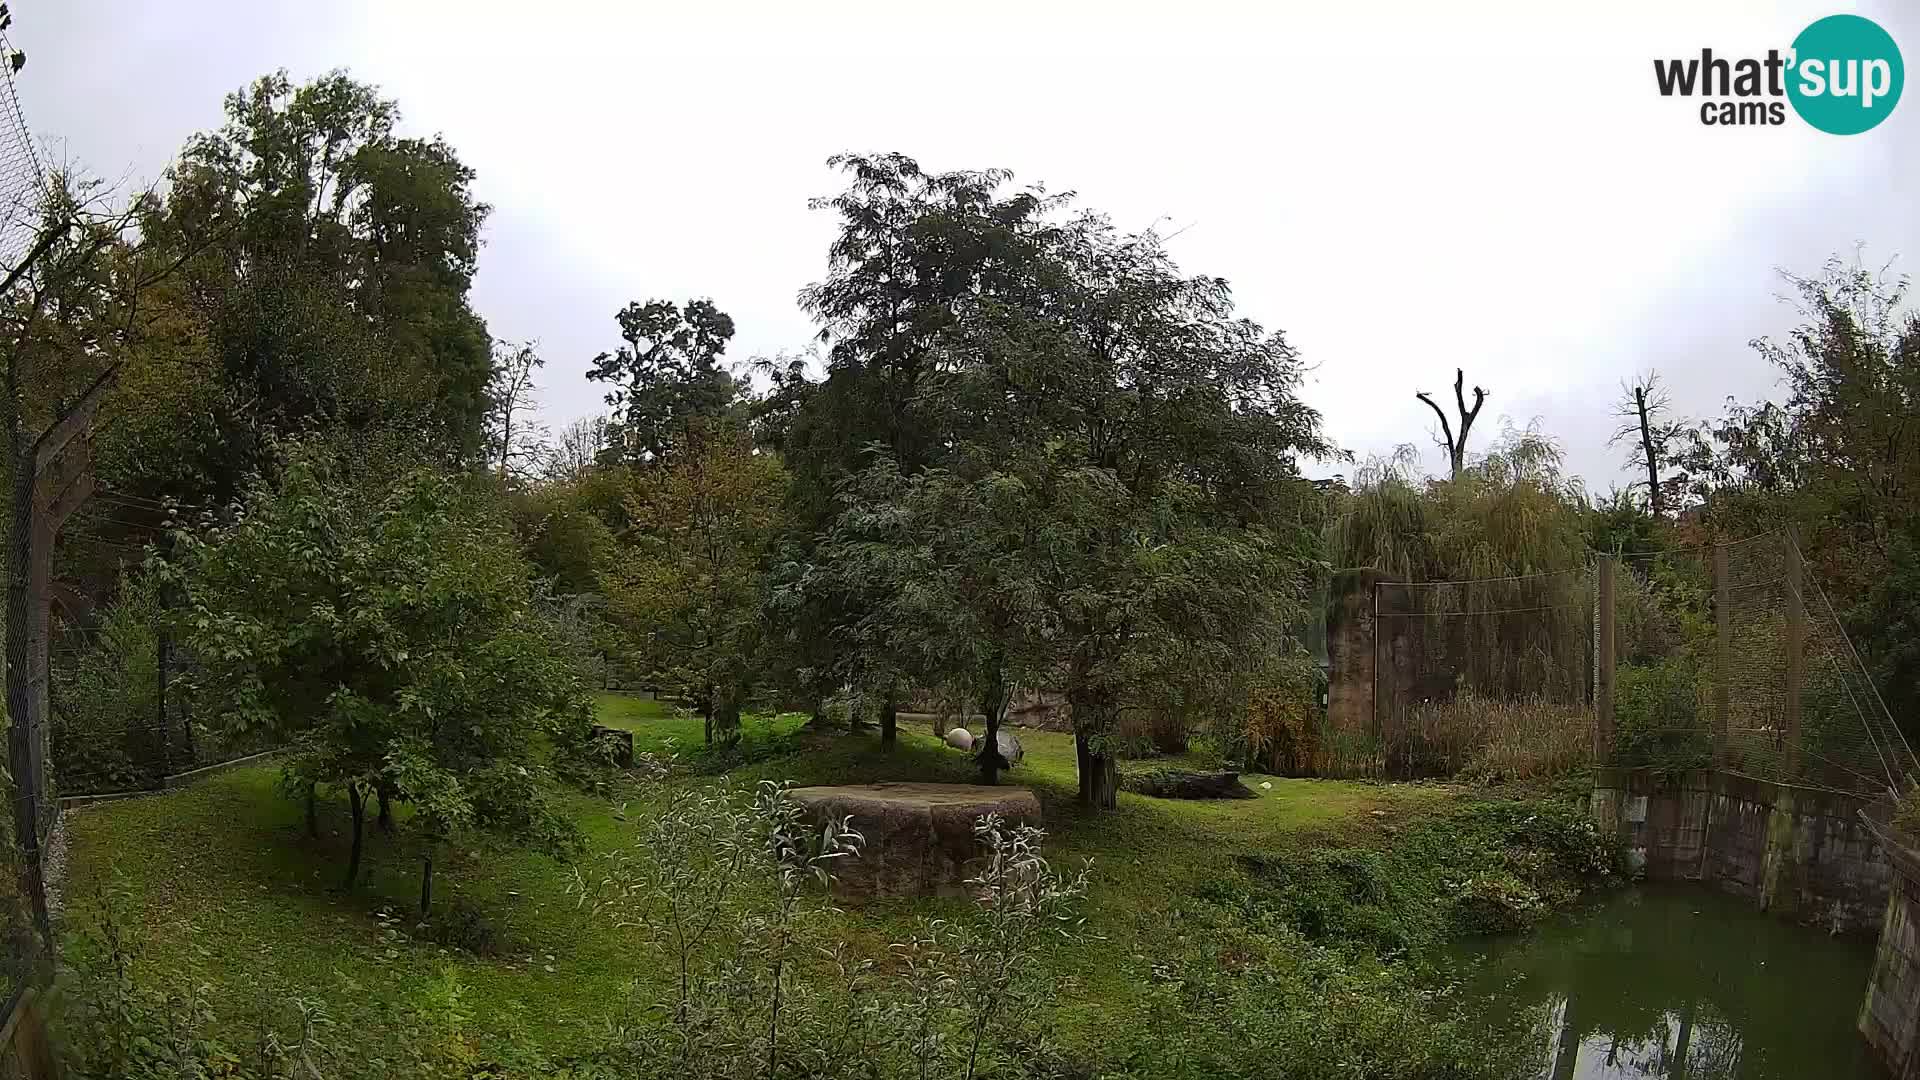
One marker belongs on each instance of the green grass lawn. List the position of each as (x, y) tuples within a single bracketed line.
[(220, 885)]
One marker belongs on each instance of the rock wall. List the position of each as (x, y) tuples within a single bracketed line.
[(1803, 853), (1890, 1014)]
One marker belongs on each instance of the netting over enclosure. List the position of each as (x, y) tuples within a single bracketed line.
[(22, 184)]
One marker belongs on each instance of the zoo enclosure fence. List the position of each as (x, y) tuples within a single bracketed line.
[(1721, 655)]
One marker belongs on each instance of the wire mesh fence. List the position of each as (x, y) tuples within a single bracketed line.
[(22, 188), (22, 180), (1474, 676), (125, 719), (1731, 656), (1715, 655)]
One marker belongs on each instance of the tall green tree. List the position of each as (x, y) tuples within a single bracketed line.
[(336, 297), (1185, 536), (667, 377), (1125, 449), (691, 586), (917, 255), (948, 570)]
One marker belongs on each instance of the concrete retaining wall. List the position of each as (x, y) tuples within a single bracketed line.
[(1803, 853), (1890, 1014)]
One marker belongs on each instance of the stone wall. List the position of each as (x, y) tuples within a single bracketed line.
[(1890, 1015), (1803, 853)]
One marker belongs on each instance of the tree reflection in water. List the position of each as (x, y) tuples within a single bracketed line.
[(1678, 982)]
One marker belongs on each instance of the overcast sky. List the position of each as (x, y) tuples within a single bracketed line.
[(1401, 189)]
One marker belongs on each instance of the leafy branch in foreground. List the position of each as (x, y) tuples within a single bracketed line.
[(723, 883)]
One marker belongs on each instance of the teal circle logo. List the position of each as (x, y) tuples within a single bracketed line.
[(1846, 76)]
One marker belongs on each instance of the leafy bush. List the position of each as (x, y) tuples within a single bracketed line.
[(1492, 866), (103, 725), (1278, 731), (722, 885), (1303, 1011), (462, 926), (1658, 721)]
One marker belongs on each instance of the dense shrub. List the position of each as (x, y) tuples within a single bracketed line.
[(1658, 719), (104, 726), (1302, 1011), (1493, 866)]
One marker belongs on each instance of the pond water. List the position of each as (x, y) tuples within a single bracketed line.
[(1678, 981)]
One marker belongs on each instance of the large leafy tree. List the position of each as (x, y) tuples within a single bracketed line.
[(1838, 458), (691, 588), (667, 377), (917, 254), (337, 295), (1118, 444), (381, 620), (948, 570), (1181, 535)]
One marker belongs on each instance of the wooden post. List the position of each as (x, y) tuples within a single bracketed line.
[(1723, 656), (1603, 666), (1792, 577)]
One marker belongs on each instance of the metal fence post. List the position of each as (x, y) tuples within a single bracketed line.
[(1603, 665), (1723, 656), (1792, 578)]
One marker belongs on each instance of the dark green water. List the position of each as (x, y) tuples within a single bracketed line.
[(1679, 982)]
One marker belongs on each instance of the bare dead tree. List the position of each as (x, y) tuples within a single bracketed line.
[(1648, 427), (578, 448), (515, 440), (1456, 447)]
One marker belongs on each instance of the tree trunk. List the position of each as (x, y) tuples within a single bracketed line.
[(1655, 504), (1678, 1070), (386, 811), (357, 801), (1169, 733), (1099, 775), (426, 882), (993, 705), (313, 810), (703, 704), (20, 691), (726, 718), (889, 721)]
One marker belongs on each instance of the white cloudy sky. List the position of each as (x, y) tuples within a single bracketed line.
[(1402, 189)]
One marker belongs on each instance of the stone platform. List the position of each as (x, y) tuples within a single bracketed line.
[(919, 837)]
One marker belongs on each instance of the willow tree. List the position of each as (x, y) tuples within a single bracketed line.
[(1385, 520)]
